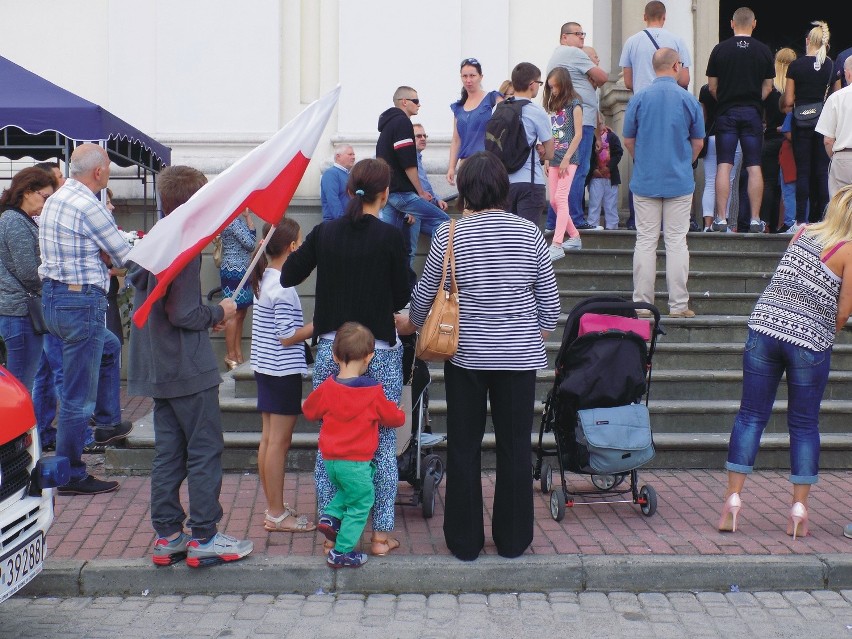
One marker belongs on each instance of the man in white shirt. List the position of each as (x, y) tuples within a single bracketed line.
[(835, 123)]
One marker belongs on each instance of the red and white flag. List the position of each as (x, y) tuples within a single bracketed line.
[(264, 180)]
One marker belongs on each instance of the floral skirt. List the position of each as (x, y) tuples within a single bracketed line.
[(230, 281)]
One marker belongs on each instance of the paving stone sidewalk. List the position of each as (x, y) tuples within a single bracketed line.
[(117, 525)]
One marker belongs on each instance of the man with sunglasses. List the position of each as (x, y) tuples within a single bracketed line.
[(586, 77), (408, 201)]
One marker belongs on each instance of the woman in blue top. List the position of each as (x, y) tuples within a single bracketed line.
[(471, 113)]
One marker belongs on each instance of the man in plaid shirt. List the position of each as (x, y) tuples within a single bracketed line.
[(78, 237)]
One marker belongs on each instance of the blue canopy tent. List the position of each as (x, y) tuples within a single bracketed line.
[(41, 120)]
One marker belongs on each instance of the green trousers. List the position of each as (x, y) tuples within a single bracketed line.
[(353, 500)]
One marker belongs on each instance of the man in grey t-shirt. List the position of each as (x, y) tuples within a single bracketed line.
[(586, 77)]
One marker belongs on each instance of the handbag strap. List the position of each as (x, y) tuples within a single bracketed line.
[(450, 259), (648, 33), (828, 86)]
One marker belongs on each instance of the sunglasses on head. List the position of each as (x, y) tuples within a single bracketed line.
[(470, 61)]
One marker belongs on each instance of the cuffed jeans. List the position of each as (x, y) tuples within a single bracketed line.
[(78, 318), (674, 215), (23, 348), (764, 360)]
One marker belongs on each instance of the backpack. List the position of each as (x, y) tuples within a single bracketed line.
[(505, 135)]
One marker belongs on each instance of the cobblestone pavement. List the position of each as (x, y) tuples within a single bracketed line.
[(815, 615)]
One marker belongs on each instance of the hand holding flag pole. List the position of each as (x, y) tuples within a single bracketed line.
[(263, 180)]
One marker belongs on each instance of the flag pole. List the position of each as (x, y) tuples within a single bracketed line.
[(254, 261)]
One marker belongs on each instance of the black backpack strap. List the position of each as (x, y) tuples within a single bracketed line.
[(648, 33), (523, 102)]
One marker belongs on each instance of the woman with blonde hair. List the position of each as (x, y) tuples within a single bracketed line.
[(808, 80), (787, 164), (792, 329)]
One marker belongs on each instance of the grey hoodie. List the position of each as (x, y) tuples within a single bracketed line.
[(171, 355)]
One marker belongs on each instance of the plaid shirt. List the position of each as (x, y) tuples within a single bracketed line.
[(73, 228)]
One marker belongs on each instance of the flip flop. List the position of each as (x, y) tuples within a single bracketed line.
[(381, 548)]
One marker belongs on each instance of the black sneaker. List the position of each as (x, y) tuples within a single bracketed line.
[(89, 486), (94, 448), (585, 227), (110, 434)]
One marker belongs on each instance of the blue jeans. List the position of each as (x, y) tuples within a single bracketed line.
[(427, 227), (78, 319), (23, 347), (764, 360), (427, 214), (48, 386), (108, 402), (578, 184)]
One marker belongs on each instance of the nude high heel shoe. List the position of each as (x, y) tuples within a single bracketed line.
[(798, 520), (728, 520)]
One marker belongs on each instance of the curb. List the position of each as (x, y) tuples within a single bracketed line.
[(427, 575)]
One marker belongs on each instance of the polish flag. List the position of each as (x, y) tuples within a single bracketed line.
[(264, 180)]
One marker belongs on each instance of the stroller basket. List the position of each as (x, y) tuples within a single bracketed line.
[(612, 441)]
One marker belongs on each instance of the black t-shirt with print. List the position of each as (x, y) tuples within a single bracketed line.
[(740, 64), (810, 83)]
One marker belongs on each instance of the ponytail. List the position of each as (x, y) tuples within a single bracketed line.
[(368, 179), (286, 232)]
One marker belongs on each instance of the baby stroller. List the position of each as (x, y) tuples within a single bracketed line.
[(416, 462), (595, 408)]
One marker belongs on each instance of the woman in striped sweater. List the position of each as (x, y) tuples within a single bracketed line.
[(508, 304)]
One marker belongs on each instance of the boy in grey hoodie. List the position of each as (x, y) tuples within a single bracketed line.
[(172, 361)]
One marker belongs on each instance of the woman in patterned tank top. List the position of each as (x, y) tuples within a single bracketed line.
[(792, 330)]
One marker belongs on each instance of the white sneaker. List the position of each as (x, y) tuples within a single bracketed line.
[(573, 244), (792, 230), (556, 252)]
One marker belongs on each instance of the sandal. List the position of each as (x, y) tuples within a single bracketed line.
[(380, 548), (276, 524)]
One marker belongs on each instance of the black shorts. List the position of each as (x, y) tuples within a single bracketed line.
[(279, 395)]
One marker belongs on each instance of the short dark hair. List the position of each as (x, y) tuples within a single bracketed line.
[(482, 182), (353, 341), (523, 74), (26, 180), (176, 184), (655, 10)]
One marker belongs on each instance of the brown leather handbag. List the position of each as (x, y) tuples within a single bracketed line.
[(438, 340)]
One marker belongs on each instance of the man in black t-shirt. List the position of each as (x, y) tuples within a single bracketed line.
[(740, 72)]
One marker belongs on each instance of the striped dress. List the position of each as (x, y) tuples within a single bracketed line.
[(277, 314), (507, 291)]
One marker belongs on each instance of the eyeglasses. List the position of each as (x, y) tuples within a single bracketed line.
[(43, 195), (579, 34), (421, 136), (539, 82), (469, 61)]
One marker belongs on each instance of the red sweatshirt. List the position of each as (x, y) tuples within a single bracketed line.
[(350, 419)]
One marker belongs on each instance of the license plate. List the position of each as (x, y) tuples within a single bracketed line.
[(20, 565)]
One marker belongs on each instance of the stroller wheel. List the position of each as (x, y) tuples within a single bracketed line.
[(429, 488), (546, 478), (649, 500), (557, 504), (433, 466)]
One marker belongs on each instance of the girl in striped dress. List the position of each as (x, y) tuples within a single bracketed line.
[(278, 362)]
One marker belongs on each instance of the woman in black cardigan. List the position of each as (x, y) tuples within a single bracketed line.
[(362, 276)]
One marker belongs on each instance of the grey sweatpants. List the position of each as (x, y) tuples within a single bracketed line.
[(188, 445)]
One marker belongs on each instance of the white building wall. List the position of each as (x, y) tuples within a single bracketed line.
[(214, 78)]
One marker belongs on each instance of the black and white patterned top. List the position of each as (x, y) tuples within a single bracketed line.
[(507, 291), (800, 304)]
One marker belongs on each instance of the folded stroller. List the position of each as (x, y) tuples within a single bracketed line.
[(597, 408), (416, 463)]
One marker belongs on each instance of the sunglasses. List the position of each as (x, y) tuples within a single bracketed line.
[(415, 100), (469, 61)]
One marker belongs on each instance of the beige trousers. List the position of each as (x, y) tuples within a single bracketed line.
[(673, 215), (840, 172)]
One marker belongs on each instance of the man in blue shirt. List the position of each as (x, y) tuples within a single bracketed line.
[(663, 131), (333, 183), (431, 224)]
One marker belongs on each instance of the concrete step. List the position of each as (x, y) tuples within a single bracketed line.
[(704, 303), (694, 450), (666, 384), (700, 282), (622, 259), (730, 242)]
